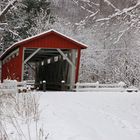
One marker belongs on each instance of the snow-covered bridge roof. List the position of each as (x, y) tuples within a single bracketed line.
[(52, 31)]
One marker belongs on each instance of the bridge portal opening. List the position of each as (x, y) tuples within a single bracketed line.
[(55, 67)]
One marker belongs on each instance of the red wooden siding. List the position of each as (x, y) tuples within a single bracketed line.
[(51, 41), (12, 68)]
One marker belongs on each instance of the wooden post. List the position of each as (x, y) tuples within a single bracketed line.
[(72, 61), (35, 52), (72, 69), (78, 64), (22, 76)]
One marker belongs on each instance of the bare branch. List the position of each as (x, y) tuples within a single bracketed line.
[(112, 5), (124, 11), (85, 8)]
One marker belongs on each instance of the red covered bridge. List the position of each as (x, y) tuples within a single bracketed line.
[(50, 56)]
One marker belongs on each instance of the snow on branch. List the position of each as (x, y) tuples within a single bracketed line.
[(91, 13), (14, 33), (102, 19), (94, 14), (112, 5), (96, 4), (126, 10), (119, 13), (93, 3), (121, 33), (1, 24), (131, 8), (1, 29), (83, 22), (6, 9), (85, 0), (120, 36), (85, 8), (76, 2)]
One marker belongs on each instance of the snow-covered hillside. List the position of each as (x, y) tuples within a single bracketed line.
[(85, 116)]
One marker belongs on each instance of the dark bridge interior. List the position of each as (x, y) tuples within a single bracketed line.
[(48, 66)]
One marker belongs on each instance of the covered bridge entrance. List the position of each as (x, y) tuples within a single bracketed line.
[(50, 57)]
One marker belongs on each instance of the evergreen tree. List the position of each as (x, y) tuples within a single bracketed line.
[(22, 21)]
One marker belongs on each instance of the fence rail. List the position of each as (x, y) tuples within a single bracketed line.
[(100, 87), (12, 86)]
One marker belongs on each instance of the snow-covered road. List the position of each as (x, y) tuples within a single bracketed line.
[(88, 116)]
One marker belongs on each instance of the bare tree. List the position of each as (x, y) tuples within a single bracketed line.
[(117, 22)]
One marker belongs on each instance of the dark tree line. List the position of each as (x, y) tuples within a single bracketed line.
[(18, 19)]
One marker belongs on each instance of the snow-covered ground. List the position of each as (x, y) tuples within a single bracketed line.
[(89, 116)]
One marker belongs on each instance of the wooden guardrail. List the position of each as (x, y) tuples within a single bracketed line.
[(99, 87), (8, 86), (12, 86)]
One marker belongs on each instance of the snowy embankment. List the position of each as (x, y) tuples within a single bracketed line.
[(86, 116)]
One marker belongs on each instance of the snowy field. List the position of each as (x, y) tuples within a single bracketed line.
[(87, 116)]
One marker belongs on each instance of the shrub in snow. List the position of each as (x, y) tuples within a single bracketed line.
[(18, 111), (121, 84)]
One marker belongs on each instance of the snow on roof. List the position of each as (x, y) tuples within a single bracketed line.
[(41, 34), (80, 43)]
